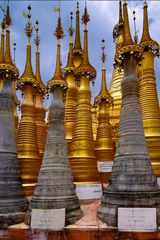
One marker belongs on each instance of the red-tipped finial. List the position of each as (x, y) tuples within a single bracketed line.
[(85, 17), (59, 30)]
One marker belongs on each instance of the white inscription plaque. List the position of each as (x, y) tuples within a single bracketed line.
[(104, 166), (158, 181), (137, 219), (53, 219), (89, 191)]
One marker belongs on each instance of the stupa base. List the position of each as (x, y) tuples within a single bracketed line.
[(72, 206), (11, 219), (111, 201)]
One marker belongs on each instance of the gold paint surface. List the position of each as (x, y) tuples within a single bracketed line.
[(82, 155), (28, 154), (150, 109)]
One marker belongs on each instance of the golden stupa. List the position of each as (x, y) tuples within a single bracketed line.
[(104, 148), (148, 94), (40, 111), (82, 120), (27, 147), (82, 155)]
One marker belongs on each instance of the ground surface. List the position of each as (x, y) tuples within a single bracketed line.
[(87, 228)]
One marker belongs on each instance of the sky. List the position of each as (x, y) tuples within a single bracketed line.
[(103, 17)]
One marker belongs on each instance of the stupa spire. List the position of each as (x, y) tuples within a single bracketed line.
[(38, 72), (2, 41), (145, 33), (70, 64), (28, 74), (77, 50), (8, 22), (103, 94), (39, 96), (77, 43), (7, 55), (27, 145), (127, 34), (120, 12), (37, 43), (57, 78)]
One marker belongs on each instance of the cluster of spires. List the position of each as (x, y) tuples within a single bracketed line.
[(74, 68), (83, 152)]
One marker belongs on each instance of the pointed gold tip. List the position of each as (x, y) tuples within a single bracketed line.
[(120, 12), (8, 19), (145, 3), (124, 2)]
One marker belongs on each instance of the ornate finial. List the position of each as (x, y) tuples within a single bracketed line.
[(85, 17), (28, 27), (59, 30), (37, 38), (77, 6), (14, 48), (103, 56), (71, 29), (135, 30), (3, 23), (8, 19)]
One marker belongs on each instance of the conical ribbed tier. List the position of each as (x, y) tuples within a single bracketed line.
[(28, 154), (150, 109), (132, 183), (55, 187), (82, 155), (70, 107), (104, 146), (12, 201), (41, 127), (115, 91)]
